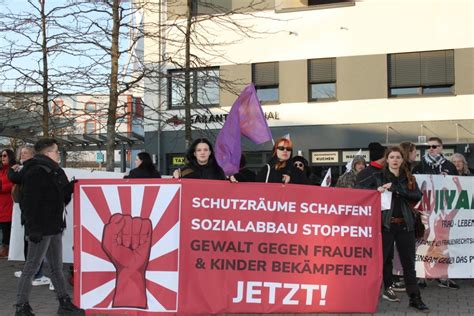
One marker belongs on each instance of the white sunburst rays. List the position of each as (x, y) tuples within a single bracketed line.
[(97, 295), (163, 200), (169, 242), (90, 218)]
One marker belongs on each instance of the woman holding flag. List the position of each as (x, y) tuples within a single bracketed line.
[(280, 169), (201, 163)]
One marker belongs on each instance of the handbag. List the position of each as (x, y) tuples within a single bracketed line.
[(419, 226)]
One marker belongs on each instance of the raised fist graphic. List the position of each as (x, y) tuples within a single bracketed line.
[(127, 242)]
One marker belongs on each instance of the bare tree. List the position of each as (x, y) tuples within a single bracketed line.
[(198, 28), (34, 47)]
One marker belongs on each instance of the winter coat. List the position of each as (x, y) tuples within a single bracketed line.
[(45, 193), (400, 191), (210, 171), (6, 202), (423, 167), (348, 179), (276, 176), (366, 175), (142, 173), (245, 175)]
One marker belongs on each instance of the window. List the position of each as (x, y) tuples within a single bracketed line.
[(322, 79), (292, 5), (204, 87), (421, 73), (89, 127), (58, 106), (90, 107), (320, 2), (137, 108), (202, 7), (265, 78)]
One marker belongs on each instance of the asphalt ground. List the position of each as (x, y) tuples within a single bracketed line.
[(441, 301)]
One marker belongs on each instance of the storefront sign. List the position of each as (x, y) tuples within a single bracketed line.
[(324, 157), (348, 155), (178, 161)]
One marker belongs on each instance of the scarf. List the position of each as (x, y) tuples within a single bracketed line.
[(434, 162)]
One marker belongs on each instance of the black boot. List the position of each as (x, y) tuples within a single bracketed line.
[(23, 310), (417, 303), (66, 307)]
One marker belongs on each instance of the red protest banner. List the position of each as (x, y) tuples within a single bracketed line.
[(255, 248), (269, 248)]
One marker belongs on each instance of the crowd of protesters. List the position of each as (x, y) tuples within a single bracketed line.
[(389, 169)]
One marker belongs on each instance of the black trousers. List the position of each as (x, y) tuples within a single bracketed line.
[(405, 243), (6, 228)]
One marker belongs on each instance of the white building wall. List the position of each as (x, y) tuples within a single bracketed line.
[(367, 28)]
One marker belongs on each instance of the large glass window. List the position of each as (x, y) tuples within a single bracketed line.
[(421, 73), (265, 76), (320, 2), (203, 7), (89, 127), (204, 90), (322, 79)]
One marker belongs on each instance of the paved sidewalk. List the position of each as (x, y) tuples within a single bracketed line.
[(441, 301)]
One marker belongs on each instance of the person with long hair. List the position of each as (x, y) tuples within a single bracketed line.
[(398, 224), (144, 167), (201, 163), (461, 165), (6, 201), (409, 153), (280, 168)]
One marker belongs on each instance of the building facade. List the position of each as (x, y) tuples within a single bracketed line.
[(335, 75)]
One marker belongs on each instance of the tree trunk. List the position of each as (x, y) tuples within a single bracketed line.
[(113, 92), (45, 90), (187, 80)]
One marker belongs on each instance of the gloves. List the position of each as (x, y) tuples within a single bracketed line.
[(70, 186), (35, 237)]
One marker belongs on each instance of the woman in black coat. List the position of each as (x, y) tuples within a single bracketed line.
[(201, 163), (145, 167), (398, 223), (244, 174), (280, 168)]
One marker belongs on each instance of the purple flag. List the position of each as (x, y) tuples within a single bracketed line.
[(245, 118)]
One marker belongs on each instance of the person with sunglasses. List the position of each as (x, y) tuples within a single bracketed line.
[(433, 162), (6, 202), (280, 168)]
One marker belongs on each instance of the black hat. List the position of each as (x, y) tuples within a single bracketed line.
[(302, 159), (376, 151)]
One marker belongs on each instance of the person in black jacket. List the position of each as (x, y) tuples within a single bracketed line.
[(15, 174), (201, 163), (144, 167), (45, 193), (398, 223), (377, 161), (244, 174), (280, 168), (433, 162)]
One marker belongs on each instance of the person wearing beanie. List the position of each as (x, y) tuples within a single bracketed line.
[(348, 179), (377, 161)]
